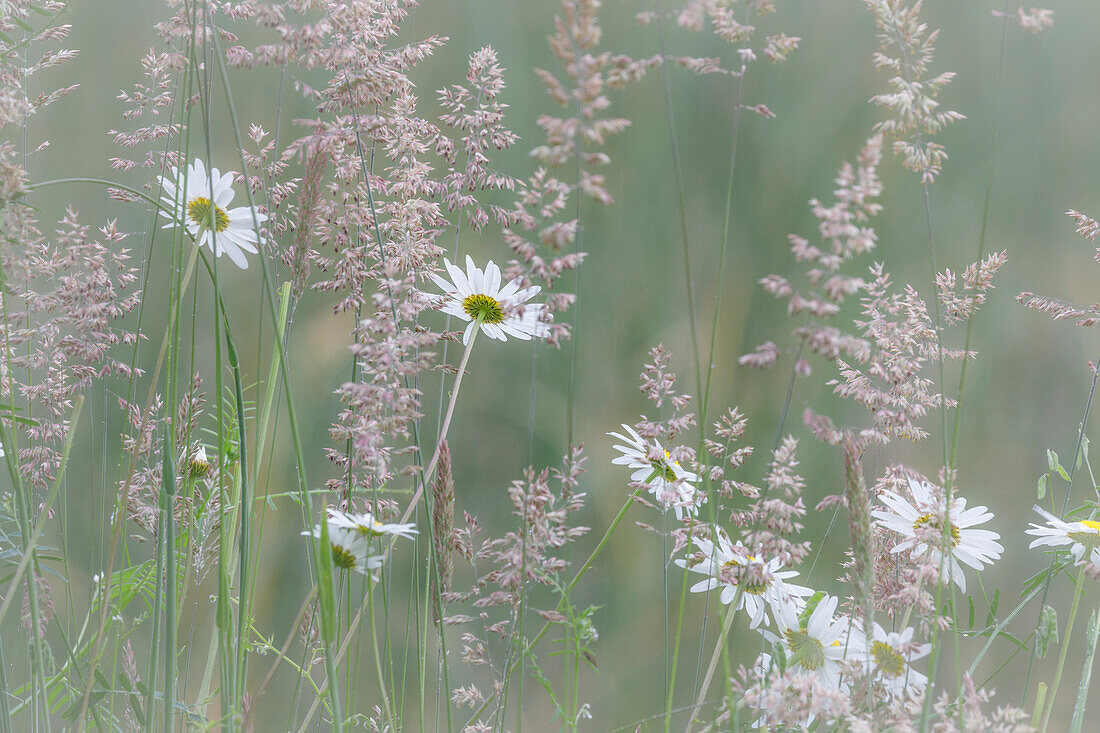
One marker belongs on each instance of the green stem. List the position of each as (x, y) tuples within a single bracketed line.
[(169, 483), (1086, 674), (1078, 591)]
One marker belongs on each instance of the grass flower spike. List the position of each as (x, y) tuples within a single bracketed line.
[(920, 523), (731, 566), (1082, 535), (367, 526), (653, 466), (478, 297), (201, 201)]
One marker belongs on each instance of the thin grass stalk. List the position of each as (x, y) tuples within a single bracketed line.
[(705, 398), (169, 484), (1086, 673), (386, 706), (154, 644), (265, 419), (1078, 591), (5, 709), (245, 503), (985, 221), (677, 167)]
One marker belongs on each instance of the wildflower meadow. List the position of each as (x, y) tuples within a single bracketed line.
[(549, 365)]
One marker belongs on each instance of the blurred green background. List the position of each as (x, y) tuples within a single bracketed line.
[(1025, 393)]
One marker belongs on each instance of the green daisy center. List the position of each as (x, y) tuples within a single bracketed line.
[(887, 659), (342, 557), (755, 588), (479, 305), (806, 650), (930, 520), (664, 470), (207, 214)]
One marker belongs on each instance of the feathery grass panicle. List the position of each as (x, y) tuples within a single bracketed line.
[(907, 51)]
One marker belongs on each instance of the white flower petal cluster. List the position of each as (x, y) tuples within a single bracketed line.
[(351, 536), (350, 550), (669, 482), (1082, 536), (773, 593), (820, 645), (201, 201), (890, 655), (912, 519), (503, 311), (367, 525)]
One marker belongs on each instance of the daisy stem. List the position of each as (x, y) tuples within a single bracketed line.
[(719, 647), (443, 428), (676, 650), (1077, 593)]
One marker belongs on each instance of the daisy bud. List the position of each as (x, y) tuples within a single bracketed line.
[(200, 464)]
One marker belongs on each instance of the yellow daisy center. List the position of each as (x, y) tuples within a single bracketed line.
[(1089, 539), (207, 214), (931, 520), (479, 305), (808, 650), (374, 529), (888, 660)]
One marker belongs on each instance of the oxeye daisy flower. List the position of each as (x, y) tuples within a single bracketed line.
[(350, 549), (890, 655), (201, 201), (478, 297), (653, 466), (1082, 535), (920, 523), (819, 646), (730, 565), (367, 526)]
